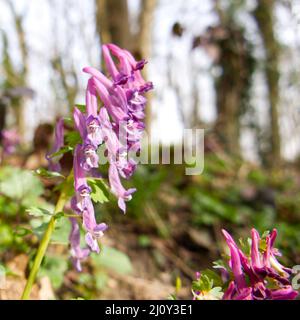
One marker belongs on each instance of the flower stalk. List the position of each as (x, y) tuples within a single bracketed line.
[(63, 198)]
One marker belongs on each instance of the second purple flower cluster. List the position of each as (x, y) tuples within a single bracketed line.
[(260, 276)]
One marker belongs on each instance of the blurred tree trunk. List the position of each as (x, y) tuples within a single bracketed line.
[(228, 98), (112, 20), (265, 21), (20, 76), (8, 78), (143, 49), (70, 88), (235, 60)]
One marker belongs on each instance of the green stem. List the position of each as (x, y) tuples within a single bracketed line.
[(44, 244)]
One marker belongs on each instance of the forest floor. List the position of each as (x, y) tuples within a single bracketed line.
[(172, 230)]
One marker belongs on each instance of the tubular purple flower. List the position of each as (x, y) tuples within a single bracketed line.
[(244, 294), (80, 123), (109, 136), (230, 292), (243, 258), (79, 174), (121, 193), (82, 198), (126, 167), (235, 262), (90, 159), (128, 66), (285, 293), (116, 112), (98, 75), (94, 135), (136, 103), (259, 291), (125, 67), (146, 87), (256, 261), (93, 131), (119, 98), (93, 230), (54, 164), (77, 253), (91, 137), (91, 99), (111, 67), (269, 258)]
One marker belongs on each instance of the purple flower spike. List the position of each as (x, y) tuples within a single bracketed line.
[(118, 125), (54, 164)]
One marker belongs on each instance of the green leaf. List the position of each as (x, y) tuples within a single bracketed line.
[(213, 276), (208, 280), (69, 121), (38, 212), (6, 235), (81, 107), (48, 174), (101, 280), (61, 232), (73, 138), (85, 279), (20, 185), (38, 227), (61, 151), (219, 264), (59, 215), (54, 267), (22, 231), (99, 190), (113, 259), (178, 285), (144, 241)]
